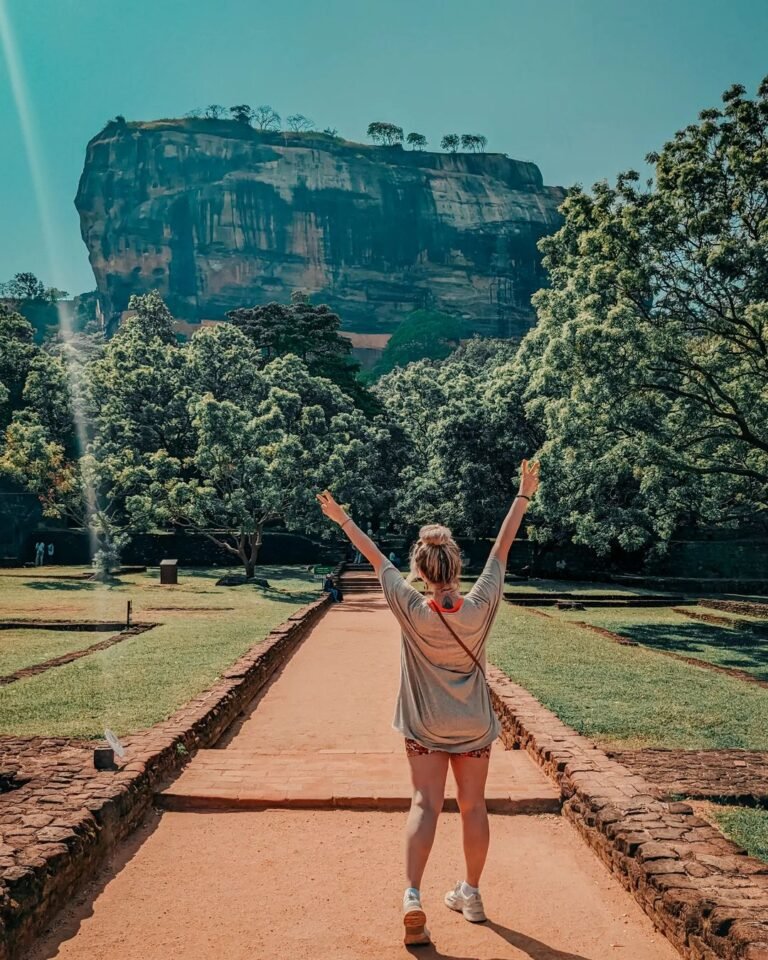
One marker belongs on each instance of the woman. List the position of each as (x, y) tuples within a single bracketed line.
[(443, 707)]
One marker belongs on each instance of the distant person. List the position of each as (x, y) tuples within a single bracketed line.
[(39, 553), (330, 586), (444, 708), (393, 558)]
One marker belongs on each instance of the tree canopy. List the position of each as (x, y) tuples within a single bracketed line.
[(474, 142), (423, 334), (387, 134), (451, 142), (465, 432), (308, 331), (416, 140), (262, 445), (223, 434), (649, 364)]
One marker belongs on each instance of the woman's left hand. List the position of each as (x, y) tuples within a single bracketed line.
[(330, 508)]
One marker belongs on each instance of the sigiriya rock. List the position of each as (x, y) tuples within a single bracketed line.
[(216, 215)]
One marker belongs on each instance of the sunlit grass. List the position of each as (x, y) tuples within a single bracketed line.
[(145, 678), (746, 826), (661, 628), (628, 696), (26, 648)]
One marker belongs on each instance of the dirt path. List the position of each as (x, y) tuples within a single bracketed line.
[(326, 883)]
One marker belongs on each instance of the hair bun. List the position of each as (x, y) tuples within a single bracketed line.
[(435, 535)]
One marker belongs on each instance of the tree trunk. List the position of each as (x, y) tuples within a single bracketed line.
[(248, 546)]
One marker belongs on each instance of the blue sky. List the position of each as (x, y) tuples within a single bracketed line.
[(585, 88)]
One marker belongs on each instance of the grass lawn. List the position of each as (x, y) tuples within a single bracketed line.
[(746, 826), (142, 680), (25, 648), (660, 628), (626, 696)]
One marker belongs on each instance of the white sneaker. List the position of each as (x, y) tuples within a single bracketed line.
[(414, 919), (471, 906)]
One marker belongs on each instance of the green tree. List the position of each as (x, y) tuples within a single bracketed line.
[(17, 352), (474, 142), (451, 142), (308, 331), (214, 111), (649, 364), (138, 397), (31, 298), (423, 334), (416, 140), (24, 286), (466, 432), (388, 134), (242, 113), (261, 456), (87, 437)]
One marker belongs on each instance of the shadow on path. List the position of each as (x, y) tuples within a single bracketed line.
[(66, 924), (534, 949)]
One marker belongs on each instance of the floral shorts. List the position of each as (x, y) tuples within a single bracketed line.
[(415, 749)]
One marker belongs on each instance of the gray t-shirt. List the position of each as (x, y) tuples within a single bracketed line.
[(443, 701)]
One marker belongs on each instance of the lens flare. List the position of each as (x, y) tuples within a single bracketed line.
[(36, 165)]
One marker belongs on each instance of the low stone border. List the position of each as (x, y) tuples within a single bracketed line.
[(609, 634), (725, 776), (737, 606), (71, 626), (36, 668), (701, 890), (61, 817)]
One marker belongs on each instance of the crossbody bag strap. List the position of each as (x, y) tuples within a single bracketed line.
[(458, 639)]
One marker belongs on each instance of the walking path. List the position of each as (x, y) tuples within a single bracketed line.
[(259, 879)]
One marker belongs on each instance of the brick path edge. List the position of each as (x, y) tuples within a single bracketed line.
[(700, 889), (114, 804)]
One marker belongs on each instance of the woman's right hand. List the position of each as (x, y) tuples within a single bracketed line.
[(529, 477)]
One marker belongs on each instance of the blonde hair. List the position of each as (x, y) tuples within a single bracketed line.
[(435, 557)]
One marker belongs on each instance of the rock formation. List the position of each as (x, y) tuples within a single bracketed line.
[(216, 215)]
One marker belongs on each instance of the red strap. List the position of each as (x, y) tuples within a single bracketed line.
[(460, 641)]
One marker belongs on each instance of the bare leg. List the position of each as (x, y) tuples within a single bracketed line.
[(428, 773), (471, 774)]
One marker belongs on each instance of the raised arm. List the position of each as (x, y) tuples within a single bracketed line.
[(529, 482), (361, 540)]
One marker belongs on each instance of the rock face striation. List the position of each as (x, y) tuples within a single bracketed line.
[(216, 215)]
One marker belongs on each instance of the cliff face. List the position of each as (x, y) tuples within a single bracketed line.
[(216, 216)]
